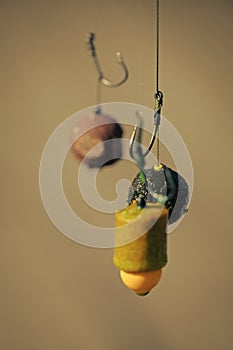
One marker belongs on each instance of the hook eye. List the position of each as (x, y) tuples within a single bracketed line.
[(89, 38), (159, 97)]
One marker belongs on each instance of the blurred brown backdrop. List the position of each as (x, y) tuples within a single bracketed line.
[(57, 294)]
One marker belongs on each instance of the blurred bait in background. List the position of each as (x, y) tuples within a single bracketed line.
[(91, 147)]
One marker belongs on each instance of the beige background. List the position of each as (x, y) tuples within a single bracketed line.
[(57, 294)]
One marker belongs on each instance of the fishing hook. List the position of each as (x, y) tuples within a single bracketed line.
[(137, 154), (90, 37)]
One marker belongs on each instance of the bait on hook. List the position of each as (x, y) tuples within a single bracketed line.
[(157, 197)]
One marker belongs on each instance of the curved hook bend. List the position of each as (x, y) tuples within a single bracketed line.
[(90, 37)]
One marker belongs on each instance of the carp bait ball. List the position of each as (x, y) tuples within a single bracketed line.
[(89, 137)]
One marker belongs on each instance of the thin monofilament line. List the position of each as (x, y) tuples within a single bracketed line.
[(157, 46), (97, 27), (98, 93), (157, 72)]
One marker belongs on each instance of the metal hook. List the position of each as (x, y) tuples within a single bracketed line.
[(135, 149), (90, 37), (138, 155)]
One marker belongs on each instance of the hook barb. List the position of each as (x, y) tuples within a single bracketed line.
[(90, 37)]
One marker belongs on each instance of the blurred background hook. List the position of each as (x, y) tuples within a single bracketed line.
[(90, 37)]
